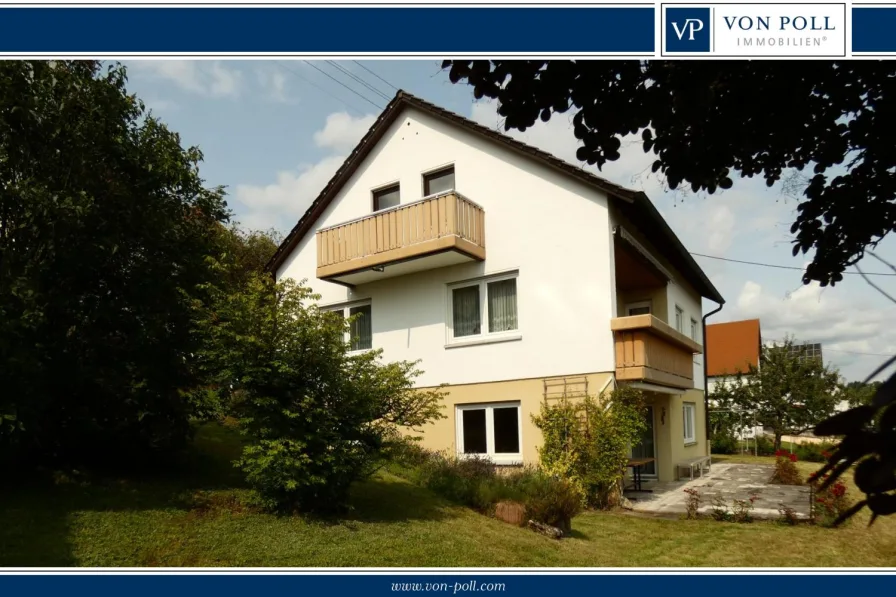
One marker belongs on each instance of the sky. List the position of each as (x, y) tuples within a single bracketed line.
[(274, 132)]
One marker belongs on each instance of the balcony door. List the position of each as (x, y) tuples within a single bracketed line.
[(639, 308), (646, 448)]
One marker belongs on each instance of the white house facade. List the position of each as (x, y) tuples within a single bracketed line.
[(511, 276)]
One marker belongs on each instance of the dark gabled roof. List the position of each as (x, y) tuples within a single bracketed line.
[(634, 205)]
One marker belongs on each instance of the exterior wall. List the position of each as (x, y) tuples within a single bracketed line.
[(669, 430), (442, 434), (537, 221)]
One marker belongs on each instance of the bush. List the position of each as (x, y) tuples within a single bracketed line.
[(588, 442), (475, 482), (814, 452), (725, 444), (316, 418), (764, 445), (828, 505), (786, 472)]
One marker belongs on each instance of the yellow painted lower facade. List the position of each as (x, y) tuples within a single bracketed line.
[(668, 415)]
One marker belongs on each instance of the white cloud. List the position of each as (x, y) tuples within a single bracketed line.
[(272, 84), (281, 203), (343, 131), (843, 323), (211, 79)]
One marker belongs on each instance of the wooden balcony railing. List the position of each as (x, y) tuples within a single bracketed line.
[(649, 350), (448, 222)]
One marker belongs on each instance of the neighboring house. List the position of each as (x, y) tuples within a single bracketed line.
[(731, 349), (512, 276)]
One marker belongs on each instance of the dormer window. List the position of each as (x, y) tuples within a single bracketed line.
[(386, 197), (440, 181)]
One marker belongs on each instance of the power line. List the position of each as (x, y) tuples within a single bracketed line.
[(326, 74), (375, 75), (790, 267), (352, 75), (320, 88)]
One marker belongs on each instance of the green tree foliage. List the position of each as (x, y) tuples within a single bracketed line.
[(104, 234), (786, 393), (587, 441), (317, 418), (693, 117)]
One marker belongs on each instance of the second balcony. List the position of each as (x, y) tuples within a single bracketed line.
[(430, 233)]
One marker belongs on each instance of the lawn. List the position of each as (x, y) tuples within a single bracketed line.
[(194, 517)]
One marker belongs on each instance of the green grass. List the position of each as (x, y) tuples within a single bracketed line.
[(159, 522)]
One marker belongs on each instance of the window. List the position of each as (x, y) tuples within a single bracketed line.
[(679, 319), (694, 329), (689, 409), (640, 308), (491, 430), (386, 197), (440, 181), (360, 333), (484, 308)]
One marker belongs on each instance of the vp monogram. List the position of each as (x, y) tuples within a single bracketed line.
[(690, 27)]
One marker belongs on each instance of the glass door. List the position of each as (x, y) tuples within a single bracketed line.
[(646, 448)]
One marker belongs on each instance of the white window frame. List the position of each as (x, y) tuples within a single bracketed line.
[(689, 415), (346, 310), (679, 319), (638, 305), (695, 330), (500, 459), (484, 336)]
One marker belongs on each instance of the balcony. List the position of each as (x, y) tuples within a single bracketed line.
[(649, 350), (434, 232)]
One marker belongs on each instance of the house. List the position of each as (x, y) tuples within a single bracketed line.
[(731, 349), (513, 276)]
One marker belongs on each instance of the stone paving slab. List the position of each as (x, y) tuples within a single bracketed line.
[(729, 482)]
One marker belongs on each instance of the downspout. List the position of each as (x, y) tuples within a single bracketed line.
[(706, 379)]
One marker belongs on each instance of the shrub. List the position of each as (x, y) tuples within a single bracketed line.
[(743, 510), (828, 505), (814, 452), (764, 446), (720, 510), (316, 418), (548, 499), (788, 514), (588, 442), (786, 472), (692, 502), (724, 444)]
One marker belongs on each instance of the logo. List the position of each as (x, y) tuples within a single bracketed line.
[(687, 29)]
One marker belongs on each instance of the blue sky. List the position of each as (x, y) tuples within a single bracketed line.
[(273, 132)]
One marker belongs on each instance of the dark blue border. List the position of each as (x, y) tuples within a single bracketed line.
[(873, 29), (414, 30), (456, 584)]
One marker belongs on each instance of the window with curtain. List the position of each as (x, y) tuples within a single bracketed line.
[(360, 333), (485, 307), (465, 307), (689, 410)]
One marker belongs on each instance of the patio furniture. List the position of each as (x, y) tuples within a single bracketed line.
[(693, 463), (635, 464)]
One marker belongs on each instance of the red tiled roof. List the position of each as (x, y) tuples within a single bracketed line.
[(732, 347)]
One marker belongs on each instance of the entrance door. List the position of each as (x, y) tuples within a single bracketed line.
[(647, 447)]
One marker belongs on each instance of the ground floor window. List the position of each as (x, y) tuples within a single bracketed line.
[(689, 410), (491, 430)]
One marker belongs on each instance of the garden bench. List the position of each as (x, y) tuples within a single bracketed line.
[(693, 463)]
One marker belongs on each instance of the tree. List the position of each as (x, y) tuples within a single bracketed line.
[(105, 230), (859, 393), (707, 120), (786, 393), (316, 417)]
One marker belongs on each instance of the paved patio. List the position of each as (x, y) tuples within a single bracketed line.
[(729, 481)]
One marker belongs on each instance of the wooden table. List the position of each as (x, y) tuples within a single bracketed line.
[(635, 464)]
